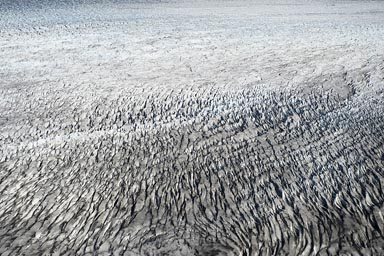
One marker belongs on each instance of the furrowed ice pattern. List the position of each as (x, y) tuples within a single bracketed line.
[(129, 139)]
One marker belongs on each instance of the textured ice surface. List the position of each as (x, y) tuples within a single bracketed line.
[(191, 128)]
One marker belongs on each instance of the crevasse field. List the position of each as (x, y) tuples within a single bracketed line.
[(191, 128)]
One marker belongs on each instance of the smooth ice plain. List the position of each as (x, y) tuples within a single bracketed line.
[(191, 128)]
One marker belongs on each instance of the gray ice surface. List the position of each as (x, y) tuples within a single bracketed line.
[(191, 128)]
